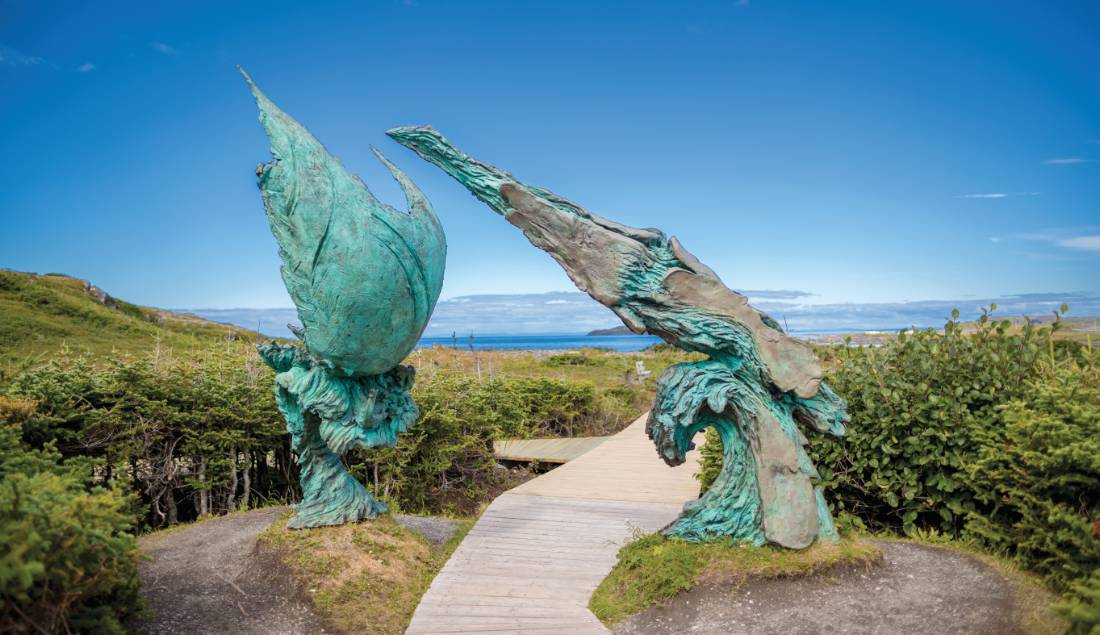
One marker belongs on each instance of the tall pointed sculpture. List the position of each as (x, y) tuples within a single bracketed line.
[(756, 388), (365, 278)]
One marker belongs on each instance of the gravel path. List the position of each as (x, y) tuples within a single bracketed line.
[(917, 589), (210, 577), (437, 530)]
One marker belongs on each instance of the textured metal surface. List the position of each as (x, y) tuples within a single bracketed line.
[(759, 388), (364, 278)]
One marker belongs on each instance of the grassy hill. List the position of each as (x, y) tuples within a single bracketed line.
[(41, 313)]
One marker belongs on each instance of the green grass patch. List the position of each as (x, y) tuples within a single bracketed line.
[(653, 569), (40, 314), (362, 578)]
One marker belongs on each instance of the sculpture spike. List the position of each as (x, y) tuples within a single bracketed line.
[(756, 387), (482, 180), (418, 203)]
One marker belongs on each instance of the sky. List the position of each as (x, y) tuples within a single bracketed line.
[(855, 154)]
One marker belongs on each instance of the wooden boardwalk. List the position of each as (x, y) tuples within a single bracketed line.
[(545, 450), (531, 562)]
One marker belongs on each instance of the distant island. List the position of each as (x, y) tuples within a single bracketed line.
[(618, 330)]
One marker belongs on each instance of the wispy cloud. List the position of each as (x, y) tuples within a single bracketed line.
[(1087, 243), (1000, 194), (1080, 238), (1067, 161), (164, 49), (12, 57), (775, 294), (85, 68)]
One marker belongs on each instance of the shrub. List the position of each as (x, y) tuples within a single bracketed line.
[(67, 555), (574, 358), (988, 432), (445, 461), (1082, 607), (1039, 487), (922, 408)]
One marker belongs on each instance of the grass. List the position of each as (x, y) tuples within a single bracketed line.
[(362, 578), (653, 569), (41, 313), (601, 367)]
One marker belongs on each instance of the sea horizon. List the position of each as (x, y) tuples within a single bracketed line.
[(573, 341)]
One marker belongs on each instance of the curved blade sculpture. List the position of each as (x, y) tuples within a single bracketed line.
[(755, 390), (365, 278)]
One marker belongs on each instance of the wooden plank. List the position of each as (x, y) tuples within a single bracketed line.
[(537, 553), (545, 450)]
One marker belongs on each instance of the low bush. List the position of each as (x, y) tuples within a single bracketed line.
[(988, 432), (1038, 482), (67, 552), (1082, 606), (201, 435), (922, 408), (574, 358), (445, 462)]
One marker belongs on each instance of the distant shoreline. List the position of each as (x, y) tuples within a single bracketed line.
[(622, 343)]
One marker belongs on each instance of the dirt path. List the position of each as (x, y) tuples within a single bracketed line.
[(209, 578), (917, 589)]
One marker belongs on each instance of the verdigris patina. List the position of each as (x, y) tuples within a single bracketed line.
[(756, 388), (365, 278)]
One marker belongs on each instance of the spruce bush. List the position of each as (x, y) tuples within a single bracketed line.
[(67, 552)]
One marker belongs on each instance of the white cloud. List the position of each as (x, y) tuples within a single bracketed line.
[(1000, 194), (86, 68), (1067, 161), (1082, 238), (161, 47), (12, 57), (774, 294), (1087, 243)]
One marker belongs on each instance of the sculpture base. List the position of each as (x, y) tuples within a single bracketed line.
[(328, 413), (351, 504), (765, 490)]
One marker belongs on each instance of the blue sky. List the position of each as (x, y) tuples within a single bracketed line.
[(859, 152)]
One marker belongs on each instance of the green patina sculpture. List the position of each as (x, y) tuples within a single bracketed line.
[(365, 278), (758, 388)]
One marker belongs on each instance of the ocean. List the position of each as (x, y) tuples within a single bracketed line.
[(543, 342)]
